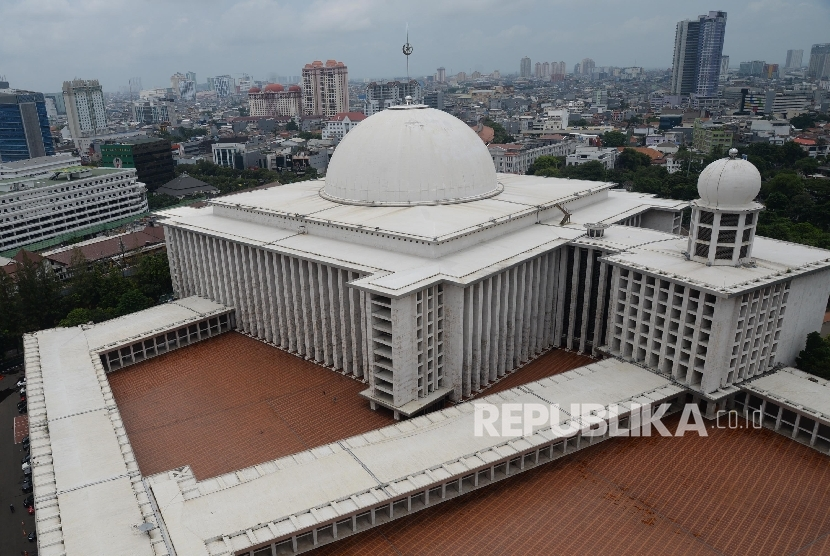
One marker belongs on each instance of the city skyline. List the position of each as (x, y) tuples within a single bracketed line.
[(366, 35)]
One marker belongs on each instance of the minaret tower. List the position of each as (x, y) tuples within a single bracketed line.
[(724, 218)]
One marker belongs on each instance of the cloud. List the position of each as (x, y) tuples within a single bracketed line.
[(44, 42)]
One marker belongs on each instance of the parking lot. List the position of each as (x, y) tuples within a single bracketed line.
[(14, 527)]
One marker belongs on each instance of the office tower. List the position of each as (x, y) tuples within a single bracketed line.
[(59, 105), (223, 85), (183, 87), (175, 83), (724, 67), (325, 88), (794, 59), (441, 75), (24, 126), (155, 111), (819, 67), (698, 51), (211, 83), (545, 70), (524, 69), (191, 76), (557, 71), (537, 70), (380, 96), (85, 114)]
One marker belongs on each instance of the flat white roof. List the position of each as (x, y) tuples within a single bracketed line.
[(795, 388), (89, 498)]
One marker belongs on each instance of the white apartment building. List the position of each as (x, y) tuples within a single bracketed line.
[(551, 120), (37, 166), (325, 88), (39, 208), (85, 113), (517, 159), (581, 155), (337, 127)]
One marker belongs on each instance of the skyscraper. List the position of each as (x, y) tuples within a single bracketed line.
[(698, 51), (441, 75), (191, 76), (724, 67), (380, 96), (325, 88), (819, 61), (85, 112), (222, 84), (24, 126), (524, 68), (794, 59)]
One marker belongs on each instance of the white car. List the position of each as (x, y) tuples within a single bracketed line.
[(27, 468), (21, 382)]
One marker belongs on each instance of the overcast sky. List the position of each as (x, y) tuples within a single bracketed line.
[(44, 42)]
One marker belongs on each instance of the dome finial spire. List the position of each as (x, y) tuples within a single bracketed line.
[(733, 152)]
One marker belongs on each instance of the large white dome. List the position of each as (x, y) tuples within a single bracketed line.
[(410, 155), (729, 183)]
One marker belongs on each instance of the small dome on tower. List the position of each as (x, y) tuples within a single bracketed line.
[(729, 183), (253, 90), (273, 88)]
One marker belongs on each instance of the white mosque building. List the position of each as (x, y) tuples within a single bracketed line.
[(415, 266)]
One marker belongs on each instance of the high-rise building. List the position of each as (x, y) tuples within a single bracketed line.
[(325, 88), (524, 68), (275, 100), (557, 71), (724, 67), (698, 52), (191, 76), (794, 59), (223, 85), (819, 67), (380, 96), (183, 87), (85, 114), (59, 105), (586, 66), (537, 70), (441, 75), (24, 126), (211, 83), (155, 111)]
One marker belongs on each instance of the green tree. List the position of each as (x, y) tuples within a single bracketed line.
[(815, 357), (631, 160), (546, 165), (131, 301), (291, 126), (160, 201), (614, 139), (77, 317), (592, 170), (153, 276), (500, 135)]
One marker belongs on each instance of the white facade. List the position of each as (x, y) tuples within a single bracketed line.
[(35, 209), (608, 157), (337, 127), (517, 159), (224, 153), (85, 111), (380, 96)]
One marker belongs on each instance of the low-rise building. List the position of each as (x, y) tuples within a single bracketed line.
[(67, 202), (516, 158), (340, 124), (581, 155), (710, 135)]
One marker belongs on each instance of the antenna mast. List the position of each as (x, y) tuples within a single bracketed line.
[(407, 50)]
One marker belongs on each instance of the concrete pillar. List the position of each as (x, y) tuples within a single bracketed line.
[(454, 339), (405, 348)]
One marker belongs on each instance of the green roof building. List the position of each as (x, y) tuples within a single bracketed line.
[(150, 156)]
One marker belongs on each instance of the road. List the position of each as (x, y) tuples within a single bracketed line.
[(13, 526)]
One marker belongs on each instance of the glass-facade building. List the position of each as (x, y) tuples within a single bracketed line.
[(24, 126), (698, 53)]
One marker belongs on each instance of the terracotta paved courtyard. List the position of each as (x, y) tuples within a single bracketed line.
[(736, 492), (231, 402)]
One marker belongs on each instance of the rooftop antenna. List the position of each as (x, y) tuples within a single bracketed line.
[(407, 50)]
